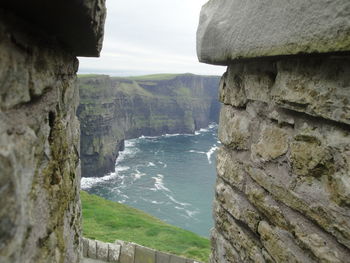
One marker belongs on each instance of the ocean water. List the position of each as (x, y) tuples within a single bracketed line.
[(171, 177)]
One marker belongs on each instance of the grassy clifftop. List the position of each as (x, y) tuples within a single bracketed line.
[(107, 221)]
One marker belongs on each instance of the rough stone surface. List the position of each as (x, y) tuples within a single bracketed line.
[(102, 250), (233, 29), (127, 251), (113, 252), (40, 213), (79, 25), (283, 170), (144, 255), (39, 148)]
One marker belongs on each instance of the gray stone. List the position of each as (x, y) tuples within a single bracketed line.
[(127, 251), (234, 29), (144, 255), (101, 250), (81, 30), (176, 259), (85, 246), (162, 257), (234, 131), (92, 250), (40, 209), (113, 252)]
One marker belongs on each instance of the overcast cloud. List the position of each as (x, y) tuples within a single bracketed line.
[(150, 36)]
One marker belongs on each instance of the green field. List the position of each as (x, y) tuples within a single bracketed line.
[(107, 221)]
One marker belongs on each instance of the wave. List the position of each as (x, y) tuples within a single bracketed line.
[(176, 201), (88, 182), (138, 174), (164, 164), (210, 152), (171, 135), (150, 164), (213, 125), (194, 151), (159, 184), (129, 151)]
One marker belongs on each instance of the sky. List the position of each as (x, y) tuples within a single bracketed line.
[(149, 37)]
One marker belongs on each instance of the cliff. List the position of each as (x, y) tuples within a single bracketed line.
[(40, 213), (113, 109), (283, 172)]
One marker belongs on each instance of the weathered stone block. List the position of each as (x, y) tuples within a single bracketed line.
[(85, 246), (92, 250), (144, 255), (176, 259), (231, 29), (237, 205), (234, 129), (280, 245), (230, 169), (223, 250), (127, 251), (273, 143), (309, 158), (162, 257), (113, 252), (231, 89), (240, 237), (101, 250)]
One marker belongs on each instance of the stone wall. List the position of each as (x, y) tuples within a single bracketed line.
[(283, 184), (40, 214), (126, 252)]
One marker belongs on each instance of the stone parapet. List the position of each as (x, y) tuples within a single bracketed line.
[(40, 212), (283, 171), (283, 186), (235, 29), (126, 252)]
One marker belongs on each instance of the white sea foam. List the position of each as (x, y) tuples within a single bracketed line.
[(213, 125), (150, 164), (191, 213), (171, 135), (159, 184), (148, 137), (138, 174), (203, 130), (194, 151), (197, 133), (156, 202), (210, 152), (88, 182), (164, 164), (176, 201)]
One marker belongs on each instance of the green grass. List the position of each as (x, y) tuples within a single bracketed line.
[(107, 221), (154, 77)]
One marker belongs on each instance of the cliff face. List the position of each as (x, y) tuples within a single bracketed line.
[(40, 214), (114, 109), (283, 185)]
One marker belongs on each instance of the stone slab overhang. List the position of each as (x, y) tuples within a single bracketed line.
[(243, 29), (77, 24)]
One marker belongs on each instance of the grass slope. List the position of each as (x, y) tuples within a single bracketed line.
[(107, 221)]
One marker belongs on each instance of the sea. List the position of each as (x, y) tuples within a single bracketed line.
[(171, 177)]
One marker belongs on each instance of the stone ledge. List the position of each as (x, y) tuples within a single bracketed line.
[(126, 252), (234, 29), (77, 24)]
